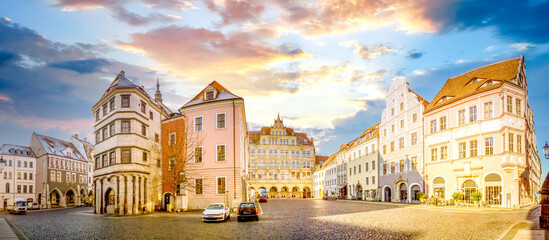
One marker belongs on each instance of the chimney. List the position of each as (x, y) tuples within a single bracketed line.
[(76, 135)]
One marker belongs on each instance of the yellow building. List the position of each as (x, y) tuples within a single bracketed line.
[(281, 162)]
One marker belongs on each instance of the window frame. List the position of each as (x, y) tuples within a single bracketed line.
[(224, 120), (196, 184), (201, 117), (217, 185), (122, 98), (224, 152), (201, 154)]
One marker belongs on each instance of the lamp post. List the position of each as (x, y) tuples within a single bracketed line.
[(544, 217)]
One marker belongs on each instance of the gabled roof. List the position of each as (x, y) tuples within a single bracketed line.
[(470, 82), (17, 150), (222, 94), (54, 146), (319, 159), (422, 100), (254, 136)]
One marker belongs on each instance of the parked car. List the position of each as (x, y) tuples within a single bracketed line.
[(263, 197), (216, 212), (247, 210), (35, 206)]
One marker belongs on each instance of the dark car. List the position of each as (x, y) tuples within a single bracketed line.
[(247, 210)]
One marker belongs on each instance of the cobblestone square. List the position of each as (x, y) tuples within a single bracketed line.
[(279, 219)]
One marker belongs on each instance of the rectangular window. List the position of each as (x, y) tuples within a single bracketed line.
[(401, 143), (125, 101), (434, 126), (442, 123), (384, 169), (511, 142), (98, 136), (434, 155), (509, 104), (220, 153), (414, 117), (145, 156), (473, 114), (518, 107), (144, 107), (59, 176), (30, 176), (462, 150), (126, 156), (18, 188), (392, 146), (172, 138), (156, 137), (221, 185), (111, 103), (151, 115), (220, 120), (97, 115), (112, 129), (112, 158), (30, 189), (519, 144), (402, 123), (209, 95), (384, 149), (125, 126), (473, 148), (198, 186), (52, 176), (414, 163), (373, 180), (366, 167), (414, 139), (198, 124), (393, 167), (401, 106), (105, 133), (171, 163), (488, 110), (393, 128), (143, 130), (105, 109), (489, 146), (105, 160), (401, 166), (461, 117), (443, 153), (373, 165)]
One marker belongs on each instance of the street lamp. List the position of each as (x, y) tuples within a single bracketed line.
[(544, 217)]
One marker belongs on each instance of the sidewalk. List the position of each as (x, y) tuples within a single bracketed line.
[(5, 230)]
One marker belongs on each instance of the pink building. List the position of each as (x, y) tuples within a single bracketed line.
[(218, 117)]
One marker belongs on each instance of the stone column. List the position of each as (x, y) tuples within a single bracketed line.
[(147, 208), (133, 206), (125, 202), (139, 195), (116, 199)]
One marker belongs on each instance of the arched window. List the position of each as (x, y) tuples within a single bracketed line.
[(7, 187), (469, 187), (492, 186), (439, 186)]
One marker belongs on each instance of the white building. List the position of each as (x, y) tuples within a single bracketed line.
[(362, 176), (18, 177)]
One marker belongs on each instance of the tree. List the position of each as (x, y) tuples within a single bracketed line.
[(182, 153)]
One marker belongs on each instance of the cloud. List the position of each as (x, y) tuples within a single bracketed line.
[(237, 11), (82, 66), (367, 52), (523, 46), (7, 57), (135, 19), (415, 55), (83, 5)]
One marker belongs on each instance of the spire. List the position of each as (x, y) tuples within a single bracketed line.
[(158, 95)]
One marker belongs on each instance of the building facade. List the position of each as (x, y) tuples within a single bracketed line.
[(61, 172), (363, 158), (218, 120), (479, 136), (127, 172), (281, 162), (86, 149), (401, 141), (17, 178)]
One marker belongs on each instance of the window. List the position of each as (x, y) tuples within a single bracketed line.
[(366, 167), (172, 138), (373, 165), (98, 136), (519, 144), (97, 115), (392, 112), (461, 117), (384, 149), (112, 131), (488, 110), (414, 139), (144, 107), (31, 163), (373, 180), (518, 106), (18, 188), (392, 146), (220, 120), (489, 146), (111, 103), (209, 95), (443, 153), (509, 104), (30, 176), (442, 123), (402, 123), (401, 143), (393, 128), (198, 124), (156, 137), (433, 155), (462, 150), (414, 163), (125, 126), (105, 160), (198, 186), (433, 126), (401, 166), (414, 117), (125, 101), (112, 158), (392, 167), (473, 148), (145, 156), (198, 155), (126, 156), (385, 132), (68, 177), (220, 153), (473, 114), (30, 189), (7, 187), (105, 110), (143, 130), (221, 185), (511, 142)]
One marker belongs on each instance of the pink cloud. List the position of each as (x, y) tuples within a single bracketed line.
[(73, 126), (4, 98)]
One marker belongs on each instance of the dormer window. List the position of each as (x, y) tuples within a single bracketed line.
[(210, 95)]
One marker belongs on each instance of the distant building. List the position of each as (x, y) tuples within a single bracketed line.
[(363, 158), (479, 136), (127, 151), (86, 149), (401, 141), (17, 180), (281, 162), (62, 177)]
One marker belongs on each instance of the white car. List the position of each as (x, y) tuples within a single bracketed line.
[(216, 212)]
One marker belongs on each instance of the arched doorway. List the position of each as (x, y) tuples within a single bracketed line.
[(493, 186), (284, 192), (403, 192), (306, 192), (109, 201), (414, 190), (167, 203), (387, 193), (55, 198), (295, 192), (273, 192), (439, 187), (70, 198), (82, 196), (359, 192), (469, 187)]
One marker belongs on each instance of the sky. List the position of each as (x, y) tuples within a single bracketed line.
[(325, 65)]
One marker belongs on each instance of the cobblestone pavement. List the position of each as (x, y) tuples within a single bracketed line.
[(281, 219)]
